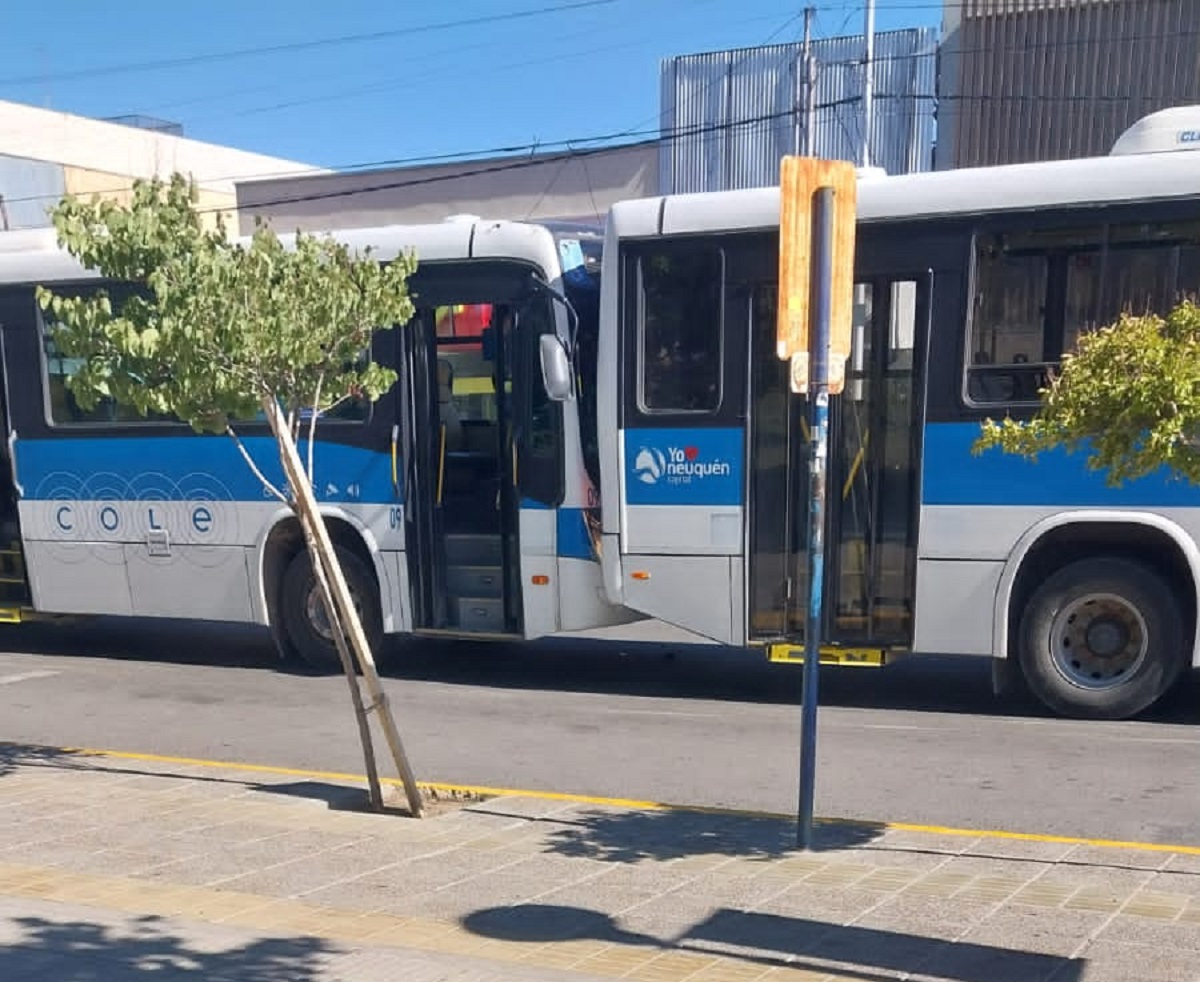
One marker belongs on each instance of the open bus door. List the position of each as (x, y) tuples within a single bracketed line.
[(14, 580), (714, 476), (872, 489), (483, 454)]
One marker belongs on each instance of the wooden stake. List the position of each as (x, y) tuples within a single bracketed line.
[(322, 552)]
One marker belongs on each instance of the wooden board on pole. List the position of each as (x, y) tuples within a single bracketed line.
[(800, 178)]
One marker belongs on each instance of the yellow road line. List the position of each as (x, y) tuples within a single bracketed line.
[(634, 803)]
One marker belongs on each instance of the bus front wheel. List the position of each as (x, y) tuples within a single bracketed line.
[(1102, 639), (303, 611)]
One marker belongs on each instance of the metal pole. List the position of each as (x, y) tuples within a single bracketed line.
[(868, 83), (818, 390), (810, 87)]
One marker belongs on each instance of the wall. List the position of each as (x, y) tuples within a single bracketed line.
[(546, 186), (1030, 80), (27, 189)]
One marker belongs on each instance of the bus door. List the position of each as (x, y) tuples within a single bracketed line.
[(872, 490), (484, 471), (14, 585), (682, 435)]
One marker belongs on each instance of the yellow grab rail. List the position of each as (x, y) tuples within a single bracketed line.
[(441, 464)]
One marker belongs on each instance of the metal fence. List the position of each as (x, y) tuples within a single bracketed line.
[(728, 116)]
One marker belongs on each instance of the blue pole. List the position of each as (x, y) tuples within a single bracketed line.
[(818, 394)]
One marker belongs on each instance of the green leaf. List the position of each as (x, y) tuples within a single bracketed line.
[(225, 324)]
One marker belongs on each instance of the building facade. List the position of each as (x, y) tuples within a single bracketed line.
[(565, 186), (1025, 80), (45, 155)]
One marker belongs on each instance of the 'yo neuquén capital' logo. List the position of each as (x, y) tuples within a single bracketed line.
[(649, 465), (679, 465)]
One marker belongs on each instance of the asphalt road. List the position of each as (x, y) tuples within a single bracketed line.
[(922, 741)]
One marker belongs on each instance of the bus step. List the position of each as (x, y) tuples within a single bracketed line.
[(10, 614), (474, 550), (793, 654), (474, 614)]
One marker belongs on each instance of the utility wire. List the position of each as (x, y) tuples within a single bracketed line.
[(607, 144), (526, 163), (296, 46)]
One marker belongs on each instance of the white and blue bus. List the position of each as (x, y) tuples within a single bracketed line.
[(479, 498), (461, 502), (970, 287)]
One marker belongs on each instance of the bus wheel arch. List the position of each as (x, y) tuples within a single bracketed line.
[(1135, 576), (295, 620)]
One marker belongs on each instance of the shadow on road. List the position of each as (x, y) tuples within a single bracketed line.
[(943, 684), (76, 949), (772, 940)]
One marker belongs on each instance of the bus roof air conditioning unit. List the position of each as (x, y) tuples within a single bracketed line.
[(1167, 131)]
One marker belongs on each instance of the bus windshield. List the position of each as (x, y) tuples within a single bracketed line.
[(580, 249)]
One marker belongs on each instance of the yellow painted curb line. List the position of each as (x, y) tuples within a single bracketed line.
[(634, 803)]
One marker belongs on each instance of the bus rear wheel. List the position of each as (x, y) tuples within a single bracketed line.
[(303, 611), (1102, 639)]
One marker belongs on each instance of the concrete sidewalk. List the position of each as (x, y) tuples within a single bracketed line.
[(114, 867)]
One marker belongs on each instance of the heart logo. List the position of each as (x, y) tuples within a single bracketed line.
[(691, 453)]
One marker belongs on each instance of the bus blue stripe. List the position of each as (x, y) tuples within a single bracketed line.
[(952, 476), (190, 467), (573, 539), (211, 468)]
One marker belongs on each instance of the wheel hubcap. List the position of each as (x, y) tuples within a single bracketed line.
[(314, 609), (1098, 641)]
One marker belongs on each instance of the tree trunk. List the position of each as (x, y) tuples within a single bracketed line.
[(338, 598)]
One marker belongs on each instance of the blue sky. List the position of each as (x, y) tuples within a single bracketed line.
[(450, 90)]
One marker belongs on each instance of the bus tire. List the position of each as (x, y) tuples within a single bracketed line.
[(1102, 639), (303, 613)]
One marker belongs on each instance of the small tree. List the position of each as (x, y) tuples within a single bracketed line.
[(226, 330), (1129, 397)]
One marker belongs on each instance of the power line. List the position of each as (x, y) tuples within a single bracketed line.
[(274, 49), (405, 81), (607, 143), (684, 132), (1061, 43), (520, 164)]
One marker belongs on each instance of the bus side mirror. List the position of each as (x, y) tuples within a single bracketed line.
[(556, 368)]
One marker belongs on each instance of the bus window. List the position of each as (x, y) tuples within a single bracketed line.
[(1010, 308), (1018, 309), (680, 326), (1038, 293), (63, 407)]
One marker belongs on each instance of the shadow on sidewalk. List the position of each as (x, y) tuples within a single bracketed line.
[(772, 940), (14, 756), (74, 949), (603, 834), (635, 836)]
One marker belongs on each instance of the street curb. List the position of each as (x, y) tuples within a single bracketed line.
[(626, 803)]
